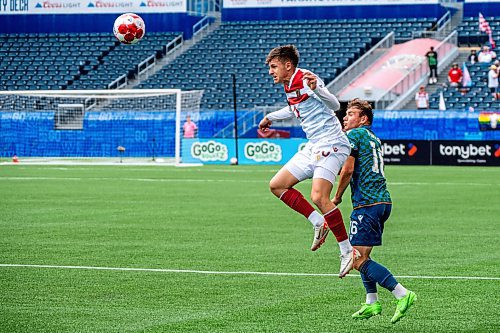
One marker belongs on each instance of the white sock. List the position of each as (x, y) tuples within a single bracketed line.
[(371, 298), (316, 219), (400, 291), (345, 247)]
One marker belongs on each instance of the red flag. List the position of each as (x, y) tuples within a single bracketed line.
[(484, 25)]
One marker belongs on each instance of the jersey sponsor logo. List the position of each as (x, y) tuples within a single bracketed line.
[(209, 151), (263, 151)]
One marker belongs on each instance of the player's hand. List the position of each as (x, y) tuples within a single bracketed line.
[(336, 201), (311, 79), (264, 124)]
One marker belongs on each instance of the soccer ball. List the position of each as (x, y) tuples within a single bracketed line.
[(233, 161), (129, 28)]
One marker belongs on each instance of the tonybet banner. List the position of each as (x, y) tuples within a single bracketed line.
[(91, 6), (313, 3), (416, 152), (482, 153)]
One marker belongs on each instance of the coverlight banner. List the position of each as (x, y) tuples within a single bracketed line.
[(91, 6), (317, 3)]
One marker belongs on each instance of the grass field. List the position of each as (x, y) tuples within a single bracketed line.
[(205, 232)]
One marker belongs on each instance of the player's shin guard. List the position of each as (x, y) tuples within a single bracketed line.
[(370, 285), (378, 273), (296, 201), (336, 224)]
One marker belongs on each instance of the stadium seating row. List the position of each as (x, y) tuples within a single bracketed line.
[(327, 47)]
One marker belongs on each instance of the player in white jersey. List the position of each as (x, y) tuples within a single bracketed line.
[(323, 156)]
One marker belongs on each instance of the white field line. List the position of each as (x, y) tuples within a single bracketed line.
[(161, 270), (193, 180)]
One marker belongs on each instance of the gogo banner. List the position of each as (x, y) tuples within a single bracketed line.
[(417, 152), (91, 6), (250, 151), (480, 153), (312, 3)]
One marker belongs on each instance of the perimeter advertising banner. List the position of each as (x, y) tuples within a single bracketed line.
[(416, 152), (481, 153), (250, 151), (322, 3), (397, 152), (91, 6)]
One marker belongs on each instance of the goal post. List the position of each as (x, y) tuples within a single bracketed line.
[(95, 126)]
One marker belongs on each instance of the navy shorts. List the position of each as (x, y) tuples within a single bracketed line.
[(367, 224)]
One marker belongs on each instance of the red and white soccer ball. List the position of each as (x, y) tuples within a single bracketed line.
[(129, 28)]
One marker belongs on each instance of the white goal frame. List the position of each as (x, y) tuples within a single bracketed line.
[(116, 94)]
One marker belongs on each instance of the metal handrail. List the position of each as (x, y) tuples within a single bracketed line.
[(442, 25), (359, 66), (118, 83), (173, 45), (145, 65), (201, 25)]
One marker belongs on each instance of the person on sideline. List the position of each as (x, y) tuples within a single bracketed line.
[(190, 129), (323, 156), (372, 205)]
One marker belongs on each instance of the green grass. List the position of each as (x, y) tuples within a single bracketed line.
[(444, 223)]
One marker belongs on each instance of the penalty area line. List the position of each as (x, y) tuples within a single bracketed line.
[(162, 270)]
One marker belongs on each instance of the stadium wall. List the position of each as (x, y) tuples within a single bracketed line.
[(33, 133), (333, 12), (487, 8), (79, 23)]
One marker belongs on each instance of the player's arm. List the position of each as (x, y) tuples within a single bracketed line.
[(321, 91), (344, 179), (281, 114)]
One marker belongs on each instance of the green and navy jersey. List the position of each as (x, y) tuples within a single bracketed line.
[(368, 184)]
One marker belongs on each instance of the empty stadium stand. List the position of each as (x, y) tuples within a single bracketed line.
[(470, 35), (71, 61), (327, 47)]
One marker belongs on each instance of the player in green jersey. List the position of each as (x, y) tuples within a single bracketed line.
[(372, 205)]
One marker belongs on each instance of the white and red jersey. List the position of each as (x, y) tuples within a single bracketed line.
[(317, 119)]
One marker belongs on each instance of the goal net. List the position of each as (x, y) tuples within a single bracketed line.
[(95, 126)]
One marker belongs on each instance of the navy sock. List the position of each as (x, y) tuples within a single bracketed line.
[(370, 285), (379, 273)]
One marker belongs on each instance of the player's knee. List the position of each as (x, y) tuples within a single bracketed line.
[(319, 200), (276, 188), (359, 260)]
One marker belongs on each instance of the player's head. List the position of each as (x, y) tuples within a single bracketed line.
[(282, 61), (432, 48), (359, 113)]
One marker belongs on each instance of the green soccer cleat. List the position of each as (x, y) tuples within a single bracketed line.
[(403, 305), (368, 311)]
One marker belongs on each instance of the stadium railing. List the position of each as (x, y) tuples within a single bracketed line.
[(401, 91), (361, 64)]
